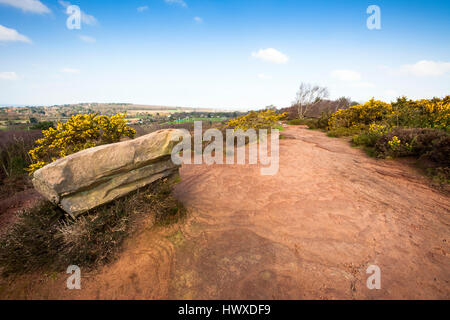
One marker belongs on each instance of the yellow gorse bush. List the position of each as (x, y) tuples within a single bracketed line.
[(369, 112), (256, 120), (433, 113), (441, 112), (78, 133), (377, 129)]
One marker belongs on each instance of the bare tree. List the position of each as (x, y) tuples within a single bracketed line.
[(271, 107), (307, 97), (343, 103)]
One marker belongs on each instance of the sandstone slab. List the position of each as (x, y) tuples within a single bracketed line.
[(98, 175)]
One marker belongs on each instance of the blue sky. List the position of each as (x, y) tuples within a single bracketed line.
[(221, 54)]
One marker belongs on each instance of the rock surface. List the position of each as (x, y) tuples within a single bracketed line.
[(98, 175)]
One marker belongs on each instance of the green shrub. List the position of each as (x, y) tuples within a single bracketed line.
[(42, 125), (18, 165), (310, 122), (295, 122), (366, 138), (343, 132), (322, 122), (14, 157)]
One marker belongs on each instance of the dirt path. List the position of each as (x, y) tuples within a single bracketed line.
[(310, 231)]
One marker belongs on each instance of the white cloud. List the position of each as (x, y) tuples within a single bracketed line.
[(8, 76), (88, 39), (198, 19), (362, 84), (70, 70), (350, 78), (85, 18), (7, 34), (425, 68), (346, 75), (391, 94), (264, 76), (271, 55), (142, 9), (33, 6), (178, 2)]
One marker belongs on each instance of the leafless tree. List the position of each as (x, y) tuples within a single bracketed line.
[(307, 97), (271, 107), (342, 103)]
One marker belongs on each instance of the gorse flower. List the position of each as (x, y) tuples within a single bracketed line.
[(256, 120), (377, 129), (434, 113), (395, 142), (81, 132), (370, 112)]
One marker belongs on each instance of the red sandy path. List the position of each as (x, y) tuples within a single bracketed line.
[(310, 231)]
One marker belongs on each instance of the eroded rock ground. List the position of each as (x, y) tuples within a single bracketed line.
[(309, 232)]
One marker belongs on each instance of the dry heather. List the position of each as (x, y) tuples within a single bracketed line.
[(45, 238)]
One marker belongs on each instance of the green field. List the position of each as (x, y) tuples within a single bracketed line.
[(196, 119)]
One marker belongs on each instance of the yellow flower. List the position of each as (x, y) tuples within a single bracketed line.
[(79, 132), (394, 143)]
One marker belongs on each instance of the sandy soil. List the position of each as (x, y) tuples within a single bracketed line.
[(309, 232)]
